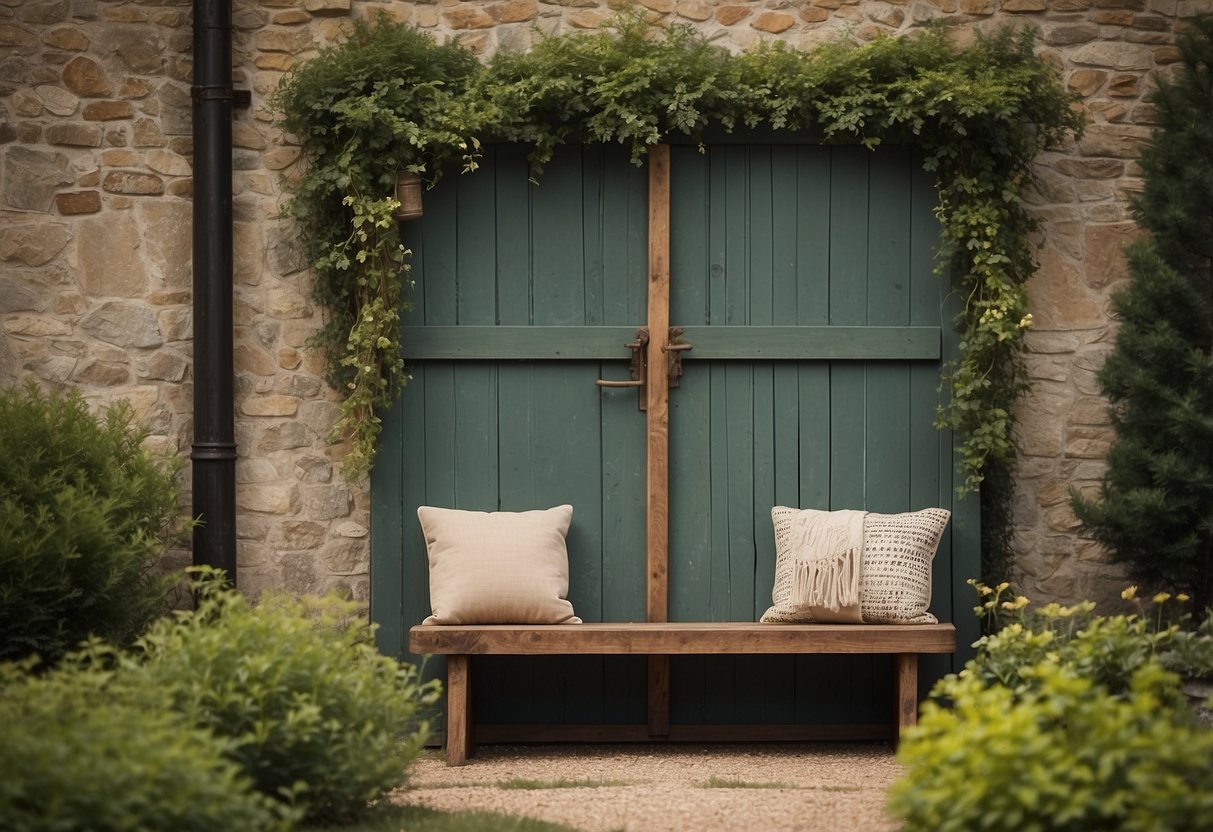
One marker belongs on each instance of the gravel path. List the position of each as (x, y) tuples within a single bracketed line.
[(663, 788)]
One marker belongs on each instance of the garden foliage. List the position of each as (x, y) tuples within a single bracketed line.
[(1155, 511), (80, 753), (311, 711), (1063, 721), (86, 512), (390, 99)]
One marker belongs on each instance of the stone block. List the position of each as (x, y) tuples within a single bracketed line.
[(130, 182), (108, 110), (282, 40), (177, 324), (729, 15), (1120, 141), (327, 6), (1124, 85), (1024, 6), (268, 499), (694, 10), (168, 164), (586, 19), (1090, 410), (346, 557), (35, 326), (1104, 261), (812, 14), (165, 365), (109, 258), (57, 100), (289, 17), (19, 294), (1091, 168), (301, 534), (253, 359), (103, 374), (78, 202), (514, 11), (1089, 442), (284, 437), (34, 244), (134, 88), (31, 177), (16, 36), (1070, 35), (1122, 56), (270, 406), (1059, 299), (74, 135), (287, 303), (313, 469), (86, 78), (349, 528), (123, 324), (773, 22), (326, 502), (120, 158)]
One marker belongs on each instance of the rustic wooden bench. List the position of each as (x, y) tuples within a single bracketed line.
[(659, 641)]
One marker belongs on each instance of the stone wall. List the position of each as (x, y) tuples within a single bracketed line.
[(95, 234)]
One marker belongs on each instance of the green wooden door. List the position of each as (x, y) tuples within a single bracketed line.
[(803, 278)]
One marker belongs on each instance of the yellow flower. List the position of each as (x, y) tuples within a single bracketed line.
[(1026, 321), (1129, 594), (1003, 587), (985, 590), (1162, 597), (1018, 604), (1183, 597)]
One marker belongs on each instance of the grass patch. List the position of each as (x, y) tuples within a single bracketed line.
[(562, 783), (388, 818), (733, 783)]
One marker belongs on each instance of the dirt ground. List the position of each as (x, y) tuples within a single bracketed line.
[(670, 788)]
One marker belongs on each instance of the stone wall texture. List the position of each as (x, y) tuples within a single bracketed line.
[(95, 281)]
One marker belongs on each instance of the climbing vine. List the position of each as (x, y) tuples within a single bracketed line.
[(390, 99)]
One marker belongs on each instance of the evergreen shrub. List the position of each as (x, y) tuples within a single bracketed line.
[(86, 512), (78, 754), (1155, 512), (316, 717)]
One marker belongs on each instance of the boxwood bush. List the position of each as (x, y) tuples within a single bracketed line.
[(77, 753), (315, 715), (1064, 721), (85, 514)]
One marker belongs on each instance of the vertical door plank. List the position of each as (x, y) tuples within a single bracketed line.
[(623, 219), (512, 201), (557, 254)]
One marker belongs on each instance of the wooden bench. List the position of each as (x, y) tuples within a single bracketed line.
[(659, 641)]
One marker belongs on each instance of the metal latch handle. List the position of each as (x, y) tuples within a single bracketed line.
[(638, 368)]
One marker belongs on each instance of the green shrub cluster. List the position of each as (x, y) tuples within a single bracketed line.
[(79, 753), (86, 512), (1064, 721), (230, 716), (315, 715)]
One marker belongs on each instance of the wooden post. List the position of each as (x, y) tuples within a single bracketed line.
[(658, 472), (458, 710), (905, 673)]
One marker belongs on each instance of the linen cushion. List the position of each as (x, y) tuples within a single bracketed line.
[(498, 567), (895, 567)]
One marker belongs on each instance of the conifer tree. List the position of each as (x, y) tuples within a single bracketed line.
[(1156, 508)]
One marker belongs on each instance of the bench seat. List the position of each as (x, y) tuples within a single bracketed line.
[(663, 639)]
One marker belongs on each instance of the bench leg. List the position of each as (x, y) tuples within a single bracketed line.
[(659, 696), (905, 671), (458, 710)]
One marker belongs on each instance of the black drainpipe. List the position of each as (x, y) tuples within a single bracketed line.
[(214, 448)]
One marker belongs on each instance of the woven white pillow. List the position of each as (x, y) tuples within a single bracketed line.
[(498, 567), (895, 570)]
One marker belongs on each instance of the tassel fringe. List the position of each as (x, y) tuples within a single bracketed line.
[(830, 582)]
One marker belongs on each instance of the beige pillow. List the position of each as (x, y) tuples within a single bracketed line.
[(498, 567), (895, 567)]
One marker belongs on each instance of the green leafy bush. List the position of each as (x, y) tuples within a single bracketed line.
[(1065, 720), (1064, 755), (77, 754), (315, 715), (85, 514)]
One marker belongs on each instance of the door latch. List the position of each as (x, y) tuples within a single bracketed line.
[(638, 369), (675, 347)]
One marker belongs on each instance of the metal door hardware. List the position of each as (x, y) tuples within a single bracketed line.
[(638, 368)]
